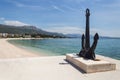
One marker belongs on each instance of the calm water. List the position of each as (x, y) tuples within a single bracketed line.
[(106, 47)]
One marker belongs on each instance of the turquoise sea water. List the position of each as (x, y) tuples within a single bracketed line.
[(51, 47)]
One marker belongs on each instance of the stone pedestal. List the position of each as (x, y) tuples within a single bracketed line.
[(90, 66)]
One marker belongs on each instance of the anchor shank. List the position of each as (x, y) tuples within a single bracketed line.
[(87, 34)]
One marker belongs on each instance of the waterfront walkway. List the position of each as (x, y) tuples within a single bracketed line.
[(50, 68)]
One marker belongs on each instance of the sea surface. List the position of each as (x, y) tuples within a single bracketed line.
[(54, 47)]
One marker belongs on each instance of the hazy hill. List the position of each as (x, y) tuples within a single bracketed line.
[(73, 35), (26, 30)]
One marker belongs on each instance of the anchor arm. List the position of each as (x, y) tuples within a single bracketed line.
[(96, 37), (93, 47)]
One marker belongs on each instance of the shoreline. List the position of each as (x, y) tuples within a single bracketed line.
[(20, 52), (8, 50)]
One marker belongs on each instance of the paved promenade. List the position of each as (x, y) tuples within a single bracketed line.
[(50, 68)]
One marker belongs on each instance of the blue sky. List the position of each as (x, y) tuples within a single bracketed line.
[(63, 16)]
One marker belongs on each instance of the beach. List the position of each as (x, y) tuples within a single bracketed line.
[(8, 50)]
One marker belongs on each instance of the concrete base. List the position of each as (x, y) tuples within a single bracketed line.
[(90, 66)]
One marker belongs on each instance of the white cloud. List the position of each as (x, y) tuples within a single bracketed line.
[(15, 23), (66, 30), (115, 4), (2, 18), (18, 4), (77, 1), (79, 30), (104, 32), (57, 8), (22, 5)]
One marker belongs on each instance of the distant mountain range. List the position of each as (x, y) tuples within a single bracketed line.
[(79, 36), (73, 35), (26, 30), (34, 30)]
